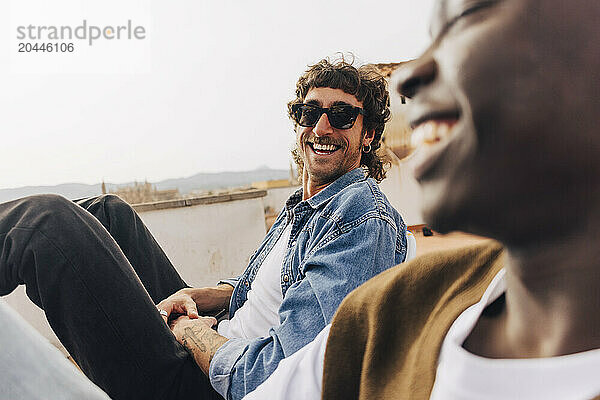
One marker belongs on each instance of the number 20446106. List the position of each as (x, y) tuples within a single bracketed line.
[(46, 47)]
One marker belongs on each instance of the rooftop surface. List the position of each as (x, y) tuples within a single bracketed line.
[(437, 242)]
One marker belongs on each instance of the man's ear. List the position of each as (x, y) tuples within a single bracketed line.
[(368, 138)]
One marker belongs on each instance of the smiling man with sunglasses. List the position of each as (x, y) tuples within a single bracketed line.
[(330, 140), (328, 228), (336, 132), (97, 271)]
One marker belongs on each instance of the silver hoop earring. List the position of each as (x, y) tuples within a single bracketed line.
[(366, 149)]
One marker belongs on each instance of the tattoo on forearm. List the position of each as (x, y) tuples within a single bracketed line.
[(203, 343), (190, 334)]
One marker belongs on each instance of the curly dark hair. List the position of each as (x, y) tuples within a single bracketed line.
[(368, 86)]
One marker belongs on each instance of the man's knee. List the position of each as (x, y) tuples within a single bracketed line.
[(45, 203), (114, 205), (39, 211), (105, 205), (112, 200)]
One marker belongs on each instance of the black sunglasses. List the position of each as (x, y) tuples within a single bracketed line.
[(340, 116)]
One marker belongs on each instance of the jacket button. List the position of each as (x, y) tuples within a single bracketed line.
[(286, 278)]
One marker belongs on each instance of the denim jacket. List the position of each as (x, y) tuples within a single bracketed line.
[(340, 238)]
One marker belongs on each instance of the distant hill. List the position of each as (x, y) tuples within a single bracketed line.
[(201, 181)]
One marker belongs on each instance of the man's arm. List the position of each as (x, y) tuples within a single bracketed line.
[(197, 336), (211, 298)]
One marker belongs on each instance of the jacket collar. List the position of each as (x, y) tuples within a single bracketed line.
[(316, 201)]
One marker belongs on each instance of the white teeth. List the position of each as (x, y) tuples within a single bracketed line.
[(323, 147), (431, 132)]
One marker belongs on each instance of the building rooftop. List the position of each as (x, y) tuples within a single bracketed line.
[(387, 69)]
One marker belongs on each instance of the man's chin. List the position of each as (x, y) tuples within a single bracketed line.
[(438, 212), (324, 175), (439, 222), (323, 180)]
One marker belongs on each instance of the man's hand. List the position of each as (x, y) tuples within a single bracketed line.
[(197, 336), (189, 301), (180, 302)]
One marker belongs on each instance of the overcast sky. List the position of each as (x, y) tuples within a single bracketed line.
[(204, 91)]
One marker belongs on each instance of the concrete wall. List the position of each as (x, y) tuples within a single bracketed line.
[(209, 242), (206, 239)]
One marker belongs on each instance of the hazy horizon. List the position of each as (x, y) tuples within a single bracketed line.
[(172, 178)]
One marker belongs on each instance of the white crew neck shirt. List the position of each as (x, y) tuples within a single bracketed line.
[(260, 312), (462, 375)]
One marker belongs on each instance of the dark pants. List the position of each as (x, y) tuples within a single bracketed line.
[(97, 274)]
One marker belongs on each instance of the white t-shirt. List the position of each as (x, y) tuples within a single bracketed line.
[(260, 312), (300, 376), (464, 376)]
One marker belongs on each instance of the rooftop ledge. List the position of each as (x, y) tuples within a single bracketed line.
[(208, 199)]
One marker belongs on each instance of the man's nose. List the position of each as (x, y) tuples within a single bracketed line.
[(411, 77), (323, 127)]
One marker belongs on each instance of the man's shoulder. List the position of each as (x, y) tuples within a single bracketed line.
[(430, 277), (361, 200), (397, 320)]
